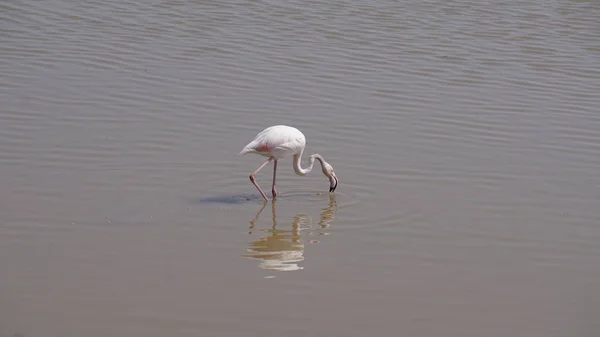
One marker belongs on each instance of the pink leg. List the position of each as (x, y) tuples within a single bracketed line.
[(254, 181), (274, 173)]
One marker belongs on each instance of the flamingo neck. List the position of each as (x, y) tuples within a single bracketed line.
[(311, 161)]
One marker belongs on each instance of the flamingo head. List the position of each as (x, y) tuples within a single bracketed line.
[(330, 174)]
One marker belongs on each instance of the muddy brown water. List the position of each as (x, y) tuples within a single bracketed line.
[(466, 136)]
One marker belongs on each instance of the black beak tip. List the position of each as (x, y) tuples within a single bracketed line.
[(332, 189)]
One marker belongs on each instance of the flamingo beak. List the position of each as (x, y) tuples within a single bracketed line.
[(334, 183)]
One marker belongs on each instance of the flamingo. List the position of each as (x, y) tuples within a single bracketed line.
[(279, 141)]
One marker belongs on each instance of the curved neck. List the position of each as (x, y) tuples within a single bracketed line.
[(311, 161)]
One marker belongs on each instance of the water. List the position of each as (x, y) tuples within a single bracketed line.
[(466, 136)]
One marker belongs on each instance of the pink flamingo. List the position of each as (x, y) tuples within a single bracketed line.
[(279, 141)]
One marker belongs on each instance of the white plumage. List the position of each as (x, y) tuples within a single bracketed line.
[(277, 141)]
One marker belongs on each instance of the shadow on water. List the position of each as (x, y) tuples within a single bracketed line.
[(282, 249), (244, 198), (228, 199)]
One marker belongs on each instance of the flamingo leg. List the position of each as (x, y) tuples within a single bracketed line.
[(274, 173), (254, 180)]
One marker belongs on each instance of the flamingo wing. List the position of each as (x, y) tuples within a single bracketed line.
[(277, 141)]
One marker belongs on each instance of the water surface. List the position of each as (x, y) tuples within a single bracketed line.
[(466, 136)]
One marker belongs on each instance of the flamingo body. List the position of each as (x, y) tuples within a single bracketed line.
[(279, 141)]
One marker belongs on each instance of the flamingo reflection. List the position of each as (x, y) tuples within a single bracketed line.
[(282, 249)]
